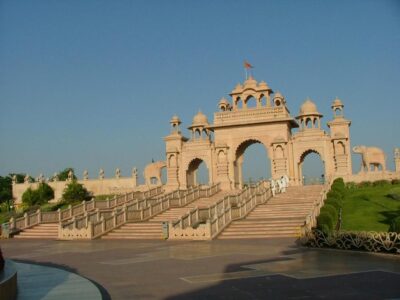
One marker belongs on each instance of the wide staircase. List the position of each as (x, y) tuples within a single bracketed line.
[(41, 231), (152, 229), (281, 216)]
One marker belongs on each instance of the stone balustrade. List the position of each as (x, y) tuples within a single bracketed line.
[(207, 223), (139, 199), (141, 210)]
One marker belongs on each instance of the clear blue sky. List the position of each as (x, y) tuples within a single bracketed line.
[(93, 84)]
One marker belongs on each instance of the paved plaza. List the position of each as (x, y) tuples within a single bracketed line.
[(221, 269)]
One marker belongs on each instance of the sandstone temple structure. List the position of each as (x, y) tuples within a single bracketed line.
[(288, 139)]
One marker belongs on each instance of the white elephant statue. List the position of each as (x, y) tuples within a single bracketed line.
[(371, 156), (153, 170)]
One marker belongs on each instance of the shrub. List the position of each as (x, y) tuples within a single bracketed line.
[(338, 185), (381, 183), (75, 191), (351, 185), (396, 181), (365, 184), (330, 209), (39, 196), (395, 225), (335, 195), (334, 202), (325, 222)]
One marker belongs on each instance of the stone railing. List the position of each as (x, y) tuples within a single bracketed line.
[(133, 213), (39, 217), (311, 218), (367, 241), (206, 223)]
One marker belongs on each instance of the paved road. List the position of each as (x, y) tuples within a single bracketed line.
[(222, 269)]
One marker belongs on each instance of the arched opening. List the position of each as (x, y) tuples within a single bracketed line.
[(311, 168), (251, 102), (197, 173), (308, 123), (239, 103), (251, 164), (340, 148), (197, 133), (263, 100), (338, 111)]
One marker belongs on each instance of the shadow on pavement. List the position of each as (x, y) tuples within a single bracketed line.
[(54, 281)]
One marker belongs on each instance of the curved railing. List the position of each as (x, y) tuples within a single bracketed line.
[(207, 223)]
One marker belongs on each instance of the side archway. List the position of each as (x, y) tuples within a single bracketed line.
[(197, 172), (311, 167)]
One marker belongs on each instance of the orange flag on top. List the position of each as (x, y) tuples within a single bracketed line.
[(247, 65)]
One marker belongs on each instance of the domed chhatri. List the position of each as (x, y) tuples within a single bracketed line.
[(200, 119), (309, 108), (175, 120), (337, 103)]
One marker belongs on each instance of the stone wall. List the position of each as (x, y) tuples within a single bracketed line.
[(96, 186)]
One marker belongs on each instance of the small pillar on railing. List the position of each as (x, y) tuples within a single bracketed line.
[(26, 219), (84, 205), (103, 224), (70, 210), (39, 217), (12, 223)]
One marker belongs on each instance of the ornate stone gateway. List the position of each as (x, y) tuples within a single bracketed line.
[(256, 114)]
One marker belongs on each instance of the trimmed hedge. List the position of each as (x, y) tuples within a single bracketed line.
[(325, 222), (395, 225)]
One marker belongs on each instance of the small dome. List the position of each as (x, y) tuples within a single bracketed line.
[(263, 86), (278, 95), (200, 119), (309, 108), (250, 82), (175, 119), (337, 102), (223, 101)]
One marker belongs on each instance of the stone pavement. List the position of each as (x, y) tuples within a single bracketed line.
[(221, 269)]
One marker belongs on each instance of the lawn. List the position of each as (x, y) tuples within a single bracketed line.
[(370, 208)]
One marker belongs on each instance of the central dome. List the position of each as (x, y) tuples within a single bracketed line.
[(309, 108), (200, 119)]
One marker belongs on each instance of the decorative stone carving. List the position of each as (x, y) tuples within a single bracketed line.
[(134, 172), (369, 241), (70, 175), (55, 177), (27, 178), (371, 156)]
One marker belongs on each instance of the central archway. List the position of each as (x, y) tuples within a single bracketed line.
[(197, 173), (311, 168), (251, 163)]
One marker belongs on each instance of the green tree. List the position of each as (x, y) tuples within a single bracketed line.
[(63, 175), (74, 192), (39, 196), (5, 189)]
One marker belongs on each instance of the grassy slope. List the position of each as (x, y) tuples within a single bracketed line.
[(369, 209)]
